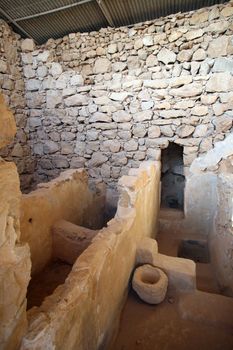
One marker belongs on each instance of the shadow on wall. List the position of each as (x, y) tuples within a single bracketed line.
[(173, 180)]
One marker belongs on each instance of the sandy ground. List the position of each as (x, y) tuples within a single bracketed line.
[(165, 326), (44, 283)]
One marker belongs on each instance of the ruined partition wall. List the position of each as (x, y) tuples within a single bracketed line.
[(83, 313), (15, 261), (107, 100), (68, 197), (12, 87)]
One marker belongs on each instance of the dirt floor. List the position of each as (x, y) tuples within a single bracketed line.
[(44, 283), (167, 326), (202, 320)]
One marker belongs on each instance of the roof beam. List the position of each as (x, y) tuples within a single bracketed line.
[(15, 24), (52, 11), (105, 12)]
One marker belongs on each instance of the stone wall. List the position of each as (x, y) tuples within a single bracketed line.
[(13, 89), (108, 100)]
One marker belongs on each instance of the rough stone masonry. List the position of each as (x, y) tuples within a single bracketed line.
[(110, 99)]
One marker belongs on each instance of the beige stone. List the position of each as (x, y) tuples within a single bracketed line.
[(7, 124)]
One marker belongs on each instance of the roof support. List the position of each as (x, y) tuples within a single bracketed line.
[(52, 11), (15, 24), (105, 12)]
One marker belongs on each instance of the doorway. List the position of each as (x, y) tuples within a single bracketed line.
[(172, 177)]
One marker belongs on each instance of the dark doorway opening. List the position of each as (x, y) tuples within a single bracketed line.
[(173, 180)]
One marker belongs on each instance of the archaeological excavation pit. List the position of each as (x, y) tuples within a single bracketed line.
[(116, 158)]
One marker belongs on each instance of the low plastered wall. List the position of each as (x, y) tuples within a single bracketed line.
[(67, 197), (90, 301)]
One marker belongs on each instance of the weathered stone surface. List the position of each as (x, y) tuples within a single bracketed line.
[(184, 55), (102, 65), (220, 82), (7, 124), (194, 34), (218, 47), (199, 55), (97, 159), (76, 100), (118, 96), (185, 130), (227, 11), (200, 110), (208, 99), (154, 131), (223, 64), (156, 84), (166, 56), (121, 117), (180, 81), (142, 116), (27, 45), (189, 90)]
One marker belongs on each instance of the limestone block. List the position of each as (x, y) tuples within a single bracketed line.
[(189, 90), (222, 149), (150, 284), (102, 65), (147, 251), (201, 130), (185, 130), (118, 96), (184, 55), (142, 116), (199, 17), (220, 82), (76, 100), (166, 56), (3, 66), (208, 99), (97, 159), (100, 117), (156, 84), (50, 147), (218, 47), (121, 116), (227, 11), (148, 40), (56, 69), (77, 80), (7, 124), (181, 272), (200, 110), (27, 45), (199, 55), (180, 81), (222, 64), (154, 131), (194, 34)]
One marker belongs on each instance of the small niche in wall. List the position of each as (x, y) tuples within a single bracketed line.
[(172, 177)]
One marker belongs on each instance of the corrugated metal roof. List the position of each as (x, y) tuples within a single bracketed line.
[(44, 19)]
